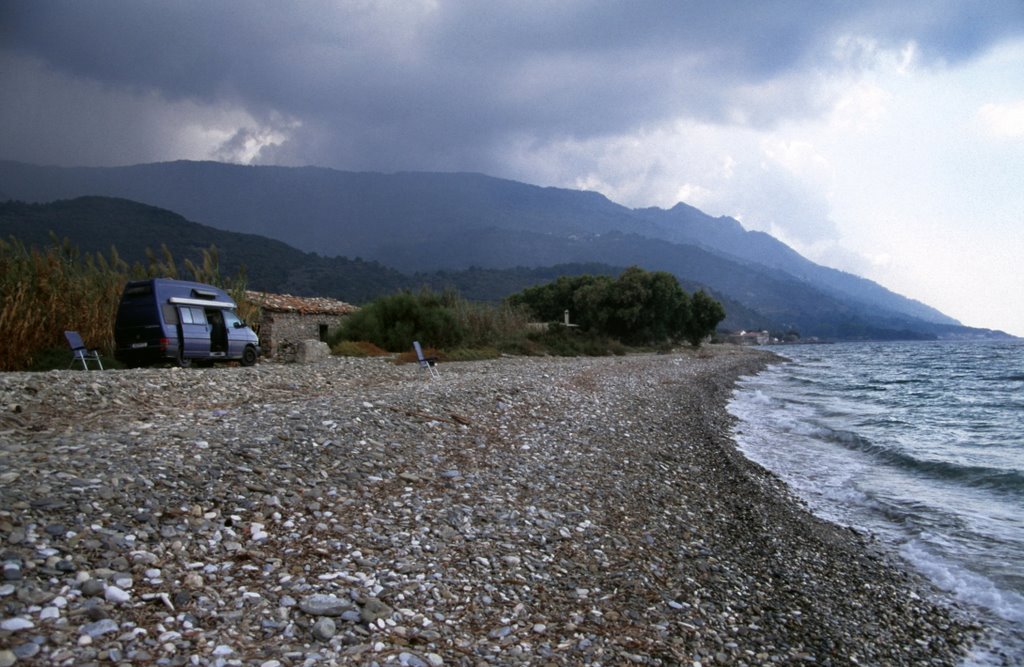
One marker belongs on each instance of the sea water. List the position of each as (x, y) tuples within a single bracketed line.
[(920, 444)]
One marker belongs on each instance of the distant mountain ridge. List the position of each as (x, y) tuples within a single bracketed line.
[(416, 222), (97, 224), (686, 224)]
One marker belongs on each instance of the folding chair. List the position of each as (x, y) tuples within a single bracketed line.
[(426, 363), (79, 352)]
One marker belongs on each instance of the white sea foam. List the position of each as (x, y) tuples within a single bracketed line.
[(880, 437)]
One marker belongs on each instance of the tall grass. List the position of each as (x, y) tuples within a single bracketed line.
[(487, 325), (46, 291)]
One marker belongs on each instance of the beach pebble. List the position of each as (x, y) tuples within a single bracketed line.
[(116, 595), (324, 605), (374, 610), (15, 624), (518, 511), (324, 629), (99, 628)]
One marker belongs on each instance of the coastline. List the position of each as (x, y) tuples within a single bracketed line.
[(546, 511)]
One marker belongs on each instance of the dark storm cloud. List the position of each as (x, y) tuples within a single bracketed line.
[(446, 85)]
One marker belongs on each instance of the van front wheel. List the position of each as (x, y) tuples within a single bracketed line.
[(249, 356)]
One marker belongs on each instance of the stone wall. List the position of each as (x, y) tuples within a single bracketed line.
[(279, 332)]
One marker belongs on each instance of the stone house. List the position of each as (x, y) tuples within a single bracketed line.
[(285, 320)]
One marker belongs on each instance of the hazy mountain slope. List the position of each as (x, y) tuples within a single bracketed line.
[(428, 222), (780, 301), (328, 211), (686, 224), (375, 215), (95, 224)]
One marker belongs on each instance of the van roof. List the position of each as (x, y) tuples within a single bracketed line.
[(185, 292)]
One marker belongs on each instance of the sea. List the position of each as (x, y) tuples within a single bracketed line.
[(920, 444)]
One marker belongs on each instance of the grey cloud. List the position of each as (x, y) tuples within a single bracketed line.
[(446, 85)]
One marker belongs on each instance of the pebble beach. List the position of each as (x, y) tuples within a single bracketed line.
[(539, 511)]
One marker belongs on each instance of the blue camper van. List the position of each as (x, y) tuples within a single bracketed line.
[(176, 321)]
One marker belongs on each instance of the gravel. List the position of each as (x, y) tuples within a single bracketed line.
[(516, 511)]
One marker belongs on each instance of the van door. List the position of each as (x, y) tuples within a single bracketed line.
[(218, 332), (195, 332), (236, 332)]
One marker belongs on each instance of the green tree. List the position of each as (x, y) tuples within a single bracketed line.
[(637, 308), (646, 308), (394, 322), (705, 314)]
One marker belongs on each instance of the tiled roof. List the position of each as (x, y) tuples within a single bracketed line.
[(308, 305)]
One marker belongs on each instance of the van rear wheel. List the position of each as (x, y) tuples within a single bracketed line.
[(249, 355)]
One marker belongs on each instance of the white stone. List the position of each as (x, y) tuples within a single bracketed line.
[(116, 595), (324, 605), (15, 624)]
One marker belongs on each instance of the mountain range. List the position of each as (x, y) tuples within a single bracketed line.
[(461, 228)]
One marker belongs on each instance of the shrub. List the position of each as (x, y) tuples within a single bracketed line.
[(565, 342), (394, 322), (637, 308)]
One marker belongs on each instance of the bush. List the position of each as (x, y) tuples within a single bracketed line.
[(525, 346), (637, 308), (394, 322), (440, 320), (566, 342)]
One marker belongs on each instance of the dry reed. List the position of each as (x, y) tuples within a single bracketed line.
[(46, 291)]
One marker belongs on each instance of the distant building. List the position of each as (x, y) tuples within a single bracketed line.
[(285, 320), (747, 338)]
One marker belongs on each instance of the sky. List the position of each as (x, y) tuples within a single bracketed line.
[(880, 137)]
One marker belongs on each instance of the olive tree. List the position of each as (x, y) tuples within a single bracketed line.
[(705, 314), (638, 308)]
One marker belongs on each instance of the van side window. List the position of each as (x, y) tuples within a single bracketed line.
[(170, 314), (230, 319), (192, 315)]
